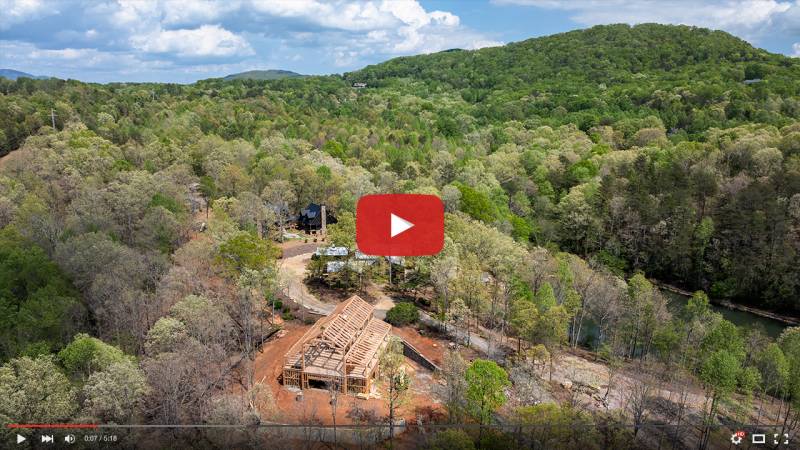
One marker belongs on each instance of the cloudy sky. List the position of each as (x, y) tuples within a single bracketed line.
[(187, 40)]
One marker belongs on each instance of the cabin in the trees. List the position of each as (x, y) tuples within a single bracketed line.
[(310, 218), (341, 350)]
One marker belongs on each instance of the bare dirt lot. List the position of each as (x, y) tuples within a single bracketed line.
[(296, 247), (431, 348), (335, 295)]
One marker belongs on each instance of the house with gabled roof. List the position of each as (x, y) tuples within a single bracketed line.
[(310, 218)]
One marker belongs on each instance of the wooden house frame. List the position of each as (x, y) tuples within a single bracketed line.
[(340, 350)]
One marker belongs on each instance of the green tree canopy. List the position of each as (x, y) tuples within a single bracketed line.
[(402, 314), (486, 384), (343, 232), (86, 354), (39, 309), (246, 251), (35, 391)]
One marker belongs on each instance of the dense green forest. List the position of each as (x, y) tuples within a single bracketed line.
[(641, 146), (572, 167)]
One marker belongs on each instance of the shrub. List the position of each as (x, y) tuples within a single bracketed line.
[(477, 204), (452, 440), (167, 202), (86, 354), (402, 314)]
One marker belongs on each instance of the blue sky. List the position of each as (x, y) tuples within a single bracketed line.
[(183, 41)]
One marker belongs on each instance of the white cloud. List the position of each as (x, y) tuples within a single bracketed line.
[(747, 18), (445, 18), (411, 13), (482, 43), (354, 15), (351, 28), (128, 36), (207, 40), (135, 13), (197, 11), (68, 62), (148, 13), (18, 11), (387, 26), (65, 53), (796, 49)]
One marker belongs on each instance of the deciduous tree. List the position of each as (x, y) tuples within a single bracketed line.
[(486, 384)]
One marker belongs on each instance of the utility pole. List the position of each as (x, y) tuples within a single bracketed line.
[(324, 217), (302, 311), (53, 117)]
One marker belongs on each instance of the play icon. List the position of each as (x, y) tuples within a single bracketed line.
[(400, 224), (20, 439)]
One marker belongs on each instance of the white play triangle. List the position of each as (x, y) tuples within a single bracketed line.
[(399, 225)]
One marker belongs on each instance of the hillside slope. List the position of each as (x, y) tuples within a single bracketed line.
[(593, 75), (601, 54), (12, 74)]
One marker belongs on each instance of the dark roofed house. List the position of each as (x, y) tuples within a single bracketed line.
[(310, 218)]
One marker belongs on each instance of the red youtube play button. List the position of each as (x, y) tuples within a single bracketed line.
[(400, 224)]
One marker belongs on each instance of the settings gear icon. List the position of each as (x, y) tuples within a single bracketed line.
[(736, 438)]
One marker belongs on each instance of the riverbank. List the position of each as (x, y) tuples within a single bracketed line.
[(788, 320)]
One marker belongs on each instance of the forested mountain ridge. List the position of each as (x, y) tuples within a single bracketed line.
[(604, 54), (641, 147), (681, 74), (12, 74)]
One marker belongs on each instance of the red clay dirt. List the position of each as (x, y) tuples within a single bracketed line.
[(431, 348)]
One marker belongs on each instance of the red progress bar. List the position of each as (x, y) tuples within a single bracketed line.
[(52, 425)]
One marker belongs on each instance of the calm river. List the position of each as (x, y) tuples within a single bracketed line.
[(744, 319)]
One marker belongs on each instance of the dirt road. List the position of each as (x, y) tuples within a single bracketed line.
[(292, 272), (385, 303)]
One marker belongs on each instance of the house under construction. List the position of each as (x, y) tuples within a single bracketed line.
[(341, 350)]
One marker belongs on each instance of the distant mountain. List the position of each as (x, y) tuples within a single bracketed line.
[(595, 76), (12, 74), (608, 54), (263, 75)]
